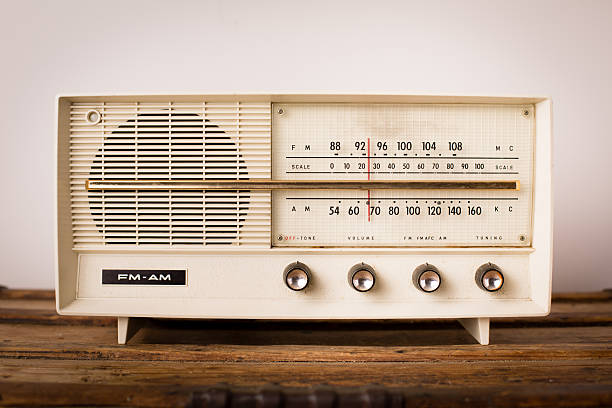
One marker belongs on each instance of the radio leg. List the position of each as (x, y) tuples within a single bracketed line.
[(478, 327), (127, 328)]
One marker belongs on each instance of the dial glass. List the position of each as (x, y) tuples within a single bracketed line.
[(460, 146)]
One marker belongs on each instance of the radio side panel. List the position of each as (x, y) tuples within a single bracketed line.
[(541, 263), (66, 262)]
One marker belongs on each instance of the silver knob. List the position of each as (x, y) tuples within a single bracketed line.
[(427, 278), (362, 277), (296, 276), (489, 277)]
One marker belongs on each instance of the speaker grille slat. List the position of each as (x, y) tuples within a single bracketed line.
[(173, 141)]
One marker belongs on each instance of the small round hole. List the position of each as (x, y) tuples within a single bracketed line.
[(93, 117)]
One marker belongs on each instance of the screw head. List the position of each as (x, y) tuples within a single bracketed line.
[(280, 111), (93, 117)]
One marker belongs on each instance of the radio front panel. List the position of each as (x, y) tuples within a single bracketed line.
[(304, 207)]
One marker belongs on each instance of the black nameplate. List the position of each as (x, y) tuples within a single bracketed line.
[(144, 277)]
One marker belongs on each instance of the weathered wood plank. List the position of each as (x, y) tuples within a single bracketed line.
[(562, 314), (98, 343), (561, 360), (509, 395), (32, 294), (50, 394), (49, 294), (302, 374), (50, 316), (603, 296)]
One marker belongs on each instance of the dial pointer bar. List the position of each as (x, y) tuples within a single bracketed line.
[(267, 184)]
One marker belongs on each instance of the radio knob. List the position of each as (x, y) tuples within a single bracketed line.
[(362, 277), (489, 277), (297, 276), (427, 278)]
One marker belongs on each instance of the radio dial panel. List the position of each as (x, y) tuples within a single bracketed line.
[(457, 144)]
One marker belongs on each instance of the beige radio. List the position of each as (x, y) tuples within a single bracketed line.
[(311, 206)]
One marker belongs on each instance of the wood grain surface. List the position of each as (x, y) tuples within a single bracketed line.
[(561, 360)]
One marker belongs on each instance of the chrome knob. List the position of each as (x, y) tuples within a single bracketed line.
[(362, 277), (297, 276), (489, 277), (427, 278)]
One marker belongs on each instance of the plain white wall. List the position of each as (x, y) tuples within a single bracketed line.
[(561, 49)]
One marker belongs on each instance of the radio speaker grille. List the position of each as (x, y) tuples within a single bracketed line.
[(144, 141)]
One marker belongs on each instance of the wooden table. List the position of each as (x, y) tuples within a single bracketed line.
[(561, 360)]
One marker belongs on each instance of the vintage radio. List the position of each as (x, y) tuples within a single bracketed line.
[(313, 206)]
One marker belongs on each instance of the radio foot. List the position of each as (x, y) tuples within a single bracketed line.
[(127, 327), (478, 327)]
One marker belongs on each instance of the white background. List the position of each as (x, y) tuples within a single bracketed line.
[(561, 49)]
